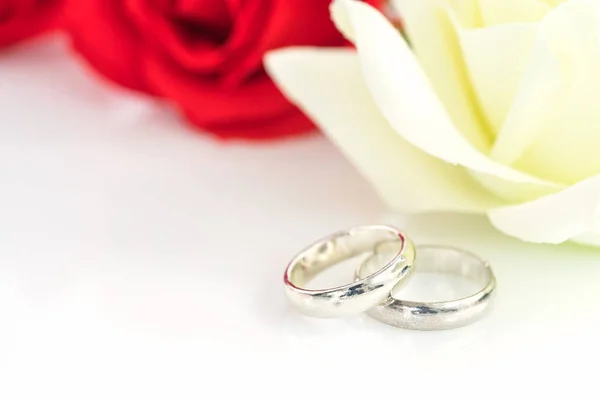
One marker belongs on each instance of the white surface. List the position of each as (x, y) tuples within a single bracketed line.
[(139, 260)]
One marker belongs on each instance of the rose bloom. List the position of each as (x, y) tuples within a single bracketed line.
[(22, 19), (494, 108), (204, 55)]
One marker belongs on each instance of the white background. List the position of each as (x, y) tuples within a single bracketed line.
[(141, 260)]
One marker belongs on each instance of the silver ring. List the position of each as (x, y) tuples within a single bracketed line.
[(355, 297), (434, 315)]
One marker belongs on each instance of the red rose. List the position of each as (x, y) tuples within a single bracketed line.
[(204, 55), (21, 19)]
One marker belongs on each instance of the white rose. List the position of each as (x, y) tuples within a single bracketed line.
[(496, 111)]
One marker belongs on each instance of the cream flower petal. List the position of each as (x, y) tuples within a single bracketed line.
[(571, 213), (434, 41), (328, 85), (495, 12), (510, 191), (536, 101), (591, 238), (572, 130), (478, 13), (466, 12), (405, 97), (554, 2), (490, 51)]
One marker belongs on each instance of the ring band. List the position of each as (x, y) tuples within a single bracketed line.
[(435, 315), (355, 297)]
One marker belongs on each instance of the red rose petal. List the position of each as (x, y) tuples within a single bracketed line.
[(23, 19), (286, 124), (105, 37), (257, 98), (204, 55)]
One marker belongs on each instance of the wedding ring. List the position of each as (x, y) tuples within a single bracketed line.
[(355, 297), (434, 315)]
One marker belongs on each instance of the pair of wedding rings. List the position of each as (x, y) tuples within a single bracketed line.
[(376, 281)]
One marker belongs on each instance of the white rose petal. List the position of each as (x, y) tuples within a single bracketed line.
[(405, 97), (435, 42), (467, 12), (496, 58), (592, 238), (556, 218), (510, 191), (537, 99), (501, 93), (494, 12), (567, 149), (328, 85)]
